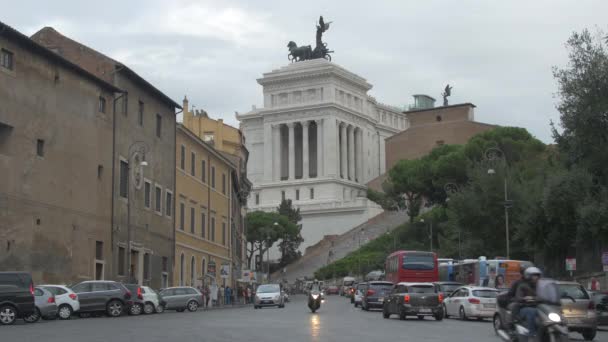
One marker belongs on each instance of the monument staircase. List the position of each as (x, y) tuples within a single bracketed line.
[(318, 255)]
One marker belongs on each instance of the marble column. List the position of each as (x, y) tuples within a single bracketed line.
[(268, 152), (351, 153), (359, 146), (343, 152), (276, 151), (305, 155), (292, 152), (320, 149)]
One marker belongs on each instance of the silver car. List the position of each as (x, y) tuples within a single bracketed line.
[(578, 309), (182, 298), (45, 306), (268, 295)]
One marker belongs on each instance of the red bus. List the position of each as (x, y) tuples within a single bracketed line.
[(411, 266)]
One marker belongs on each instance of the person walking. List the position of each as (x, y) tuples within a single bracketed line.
[(249, 295), (206, 292), (220, 295), (228, 295)]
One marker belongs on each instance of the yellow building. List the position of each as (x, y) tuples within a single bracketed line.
[(203, 212), (230, 143)]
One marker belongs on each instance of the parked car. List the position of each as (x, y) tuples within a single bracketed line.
[(103, 296), (333, 290), (152, 302), (600, 300), (182, 298), (359, 290), (447, 287), (578, 309), (268, 295), (413, 299), (471, 301), (66, 299), (137, 297), (16, 296), (373, 296), (46, 307)]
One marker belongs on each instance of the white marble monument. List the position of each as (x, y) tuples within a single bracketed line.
[(318, 140)]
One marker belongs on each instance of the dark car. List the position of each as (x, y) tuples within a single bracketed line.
[(373, 296), (600, 300), (414, 299), (137, 298), (16, 296), (101, 296), (333, 290), (447, 287)]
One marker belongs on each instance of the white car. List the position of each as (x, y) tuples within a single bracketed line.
[(151, 300), (66, 300), (359, 290), (471, 301)]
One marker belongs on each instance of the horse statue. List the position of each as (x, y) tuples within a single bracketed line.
[(298, 53)]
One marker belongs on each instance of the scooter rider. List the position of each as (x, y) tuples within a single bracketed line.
[(525, 293)]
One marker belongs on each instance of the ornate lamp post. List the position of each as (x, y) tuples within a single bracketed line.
[(450, 189), (492, 154)]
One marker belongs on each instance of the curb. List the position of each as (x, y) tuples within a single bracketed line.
[(225, 307)]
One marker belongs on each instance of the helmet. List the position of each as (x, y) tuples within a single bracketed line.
[(530, 271)]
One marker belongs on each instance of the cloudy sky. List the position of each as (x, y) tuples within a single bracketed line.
[(496, 54)]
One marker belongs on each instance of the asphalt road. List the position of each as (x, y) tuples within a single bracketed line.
[(336, 321)]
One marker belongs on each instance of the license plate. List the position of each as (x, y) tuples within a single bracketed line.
[(381, 300), (425, 310), (489, 306)]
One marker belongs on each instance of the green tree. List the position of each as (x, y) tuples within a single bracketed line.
[(292, 238), (262, 232)]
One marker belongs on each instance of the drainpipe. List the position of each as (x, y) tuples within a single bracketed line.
[(170, 275), (114, 272)]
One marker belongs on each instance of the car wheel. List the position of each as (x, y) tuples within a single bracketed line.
[(149, 308), (462, 314), (160, 308), (589, 334), (439, 317), (8, 315), (385, 313), (445, 312), (497, 323), (114, 308), (33, 318), (192, 306), (64, 312), (135, 309)]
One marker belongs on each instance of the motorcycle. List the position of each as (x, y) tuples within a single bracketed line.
[(551, 326), (314, 301)]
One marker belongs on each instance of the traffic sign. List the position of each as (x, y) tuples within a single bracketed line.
[(605, 258), (570, 264)]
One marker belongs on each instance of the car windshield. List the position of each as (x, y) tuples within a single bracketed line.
[(485, 293), (573, 291), (268, 288), (421, 289), (418, 261), (349, 282), (449, 287), (381, 289)]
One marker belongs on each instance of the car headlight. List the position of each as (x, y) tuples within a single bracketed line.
[(315, 296), (277, 297), (555, 317)]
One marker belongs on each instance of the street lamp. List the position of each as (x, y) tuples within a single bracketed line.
[(276, 224), (451, 188), (137, 154), (430, 233), (492, 154)]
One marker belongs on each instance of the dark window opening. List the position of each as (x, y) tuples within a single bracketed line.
[(158, 199), (203, 224), (224, 233), (99, 171), (224, 183), (140, 114), (213, 177), (146, 266), (192, 221), (7, 59), (182, 213), (124, 178), (147, 190), (159, 125), (312, 193), (438, 118), (182, 160), (102, 105), (40, 147), (203, 171), (212, 229), (121, 261), (257, 199), (192, 164), (169, 204), (297, 194), (99, 250), (283, 195)]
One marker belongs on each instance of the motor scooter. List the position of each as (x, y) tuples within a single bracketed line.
[(550, 324), (314, 301)]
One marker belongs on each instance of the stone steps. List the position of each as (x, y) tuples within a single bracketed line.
[(318, 255)]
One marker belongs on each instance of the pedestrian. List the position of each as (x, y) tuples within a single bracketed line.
[(249, 294), (214, 291), (220, 295), (228, 295), (207, 296), (594, 284)]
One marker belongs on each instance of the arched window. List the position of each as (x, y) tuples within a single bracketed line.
[(181, 270), (192, 272)]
